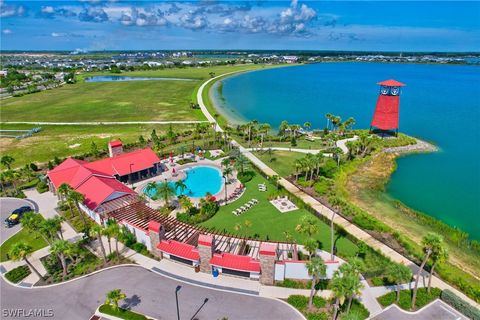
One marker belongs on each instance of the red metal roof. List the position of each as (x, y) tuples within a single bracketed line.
[(391, 83), (179, 249), (154, 226), (235, 262), (115, 143), (268, 249), (126, 163), (95, 179), (205, 239), (99, 189), (386, 112)]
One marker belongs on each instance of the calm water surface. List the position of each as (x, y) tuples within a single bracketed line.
[(440, 104)]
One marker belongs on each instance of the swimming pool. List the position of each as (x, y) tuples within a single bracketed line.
[(199, 181)]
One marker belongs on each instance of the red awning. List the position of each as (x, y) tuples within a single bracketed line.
[(179, 249), (235, 262)]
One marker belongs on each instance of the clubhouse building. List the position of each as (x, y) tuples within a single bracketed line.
[(104, 184)]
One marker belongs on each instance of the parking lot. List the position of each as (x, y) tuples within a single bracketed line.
[(7, 205)]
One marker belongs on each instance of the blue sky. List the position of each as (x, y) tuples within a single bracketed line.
[(209, 24)]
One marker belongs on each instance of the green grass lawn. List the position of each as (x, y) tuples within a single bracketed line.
[(268, 222), (283, 162), (108, 101), (29, 238), (63, 141)]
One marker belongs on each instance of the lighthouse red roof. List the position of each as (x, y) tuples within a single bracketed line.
[(391, 83)]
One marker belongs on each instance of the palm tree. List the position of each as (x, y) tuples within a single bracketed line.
[(317, 269), (60, 247), (63, 191), (7, 161), (151, 186), (96, 231), (308, 225), (439, 255), (275, 179), (351, 277), (114, 296), (166, 192), (298, 166), (180, 184), (337, 285), (54, 227), (12, 176), (329, 118), (114, 231), (311, 246), (21, 251), (227, 172), (241, 162), (33, 222), (398, 274), (185, 203), (430, 243), (77, 198), (307, 125), (264, 128), (283, 128), (332, 231)]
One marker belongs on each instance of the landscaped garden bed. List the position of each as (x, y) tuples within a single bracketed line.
[(405, 302), (121, 313), (18, 274)]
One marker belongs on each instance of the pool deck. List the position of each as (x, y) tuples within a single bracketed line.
[(180, 175)]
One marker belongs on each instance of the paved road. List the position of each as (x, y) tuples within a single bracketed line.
[(7, 205), (438, 310), (149, 293)]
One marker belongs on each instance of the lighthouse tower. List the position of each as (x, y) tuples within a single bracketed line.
[(386, 114)]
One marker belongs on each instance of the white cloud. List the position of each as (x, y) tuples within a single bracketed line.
[(6, 31)]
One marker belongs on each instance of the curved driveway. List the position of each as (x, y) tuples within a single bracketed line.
[(149, 292), (7, 205)]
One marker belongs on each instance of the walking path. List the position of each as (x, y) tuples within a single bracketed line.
[(327, 212), (312, 151), (105, 122), (342, 144)]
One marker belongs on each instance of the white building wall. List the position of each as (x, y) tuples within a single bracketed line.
[(279, 272), (296, 270), (92, 214), (140, 234)]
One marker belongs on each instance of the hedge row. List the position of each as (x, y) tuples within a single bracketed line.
[(460, 305), (18, 274)]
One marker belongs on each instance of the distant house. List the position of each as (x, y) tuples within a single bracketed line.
[(101, 181), (290, 59), (3, 73)]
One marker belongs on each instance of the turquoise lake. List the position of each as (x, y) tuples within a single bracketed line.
[(441, 104)]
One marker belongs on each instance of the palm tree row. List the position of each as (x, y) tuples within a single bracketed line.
[(309, 166), (72, 197), (337, 124)]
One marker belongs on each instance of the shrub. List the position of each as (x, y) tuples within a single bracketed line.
[(460, 305), (298, 301), (245, 176), (357, 311), (18, 274), (322, 186), (121, 313), (423, 298), (365, 221), (316, 316), (42, 187), (139, 247), (29, 184)]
